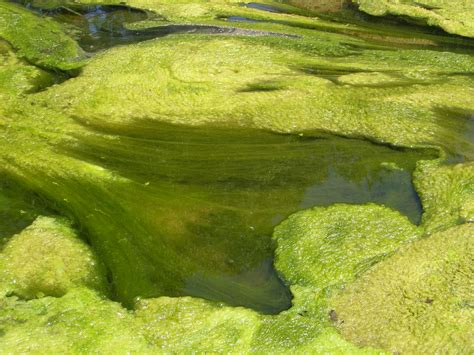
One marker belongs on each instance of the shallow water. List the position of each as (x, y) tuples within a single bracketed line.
[(214, 195), (100, 27)]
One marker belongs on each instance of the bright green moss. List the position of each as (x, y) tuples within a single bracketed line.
[(447, 194), (38, 40), (322, 247), (48, 259), (418, 301), (453, 16)]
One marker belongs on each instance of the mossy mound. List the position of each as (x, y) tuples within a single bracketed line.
[(39, 40), (418, 301), (447, 194), (185, 323), (80, 322), (454, 16), (322, 247), (304, 328), (48, 259), (200, 80)]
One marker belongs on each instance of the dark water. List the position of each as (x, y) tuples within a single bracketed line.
[(263, 7), (100, 27)]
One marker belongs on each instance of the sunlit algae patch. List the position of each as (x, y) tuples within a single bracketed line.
[(454, 16), (156, 171)]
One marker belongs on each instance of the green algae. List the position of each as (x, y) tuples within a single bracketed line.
[(40, 41), (208, 327), (47, 258), (157, 208), (447, 194), (171, 324), (215, 74), (453, 16), (17, 76), (18, 209), (79, 322), (180, 210), (324, 247), (427, 307)]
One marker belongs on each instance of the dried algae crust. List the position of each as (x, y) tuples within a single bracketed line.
[(201, 80), (453, 16)]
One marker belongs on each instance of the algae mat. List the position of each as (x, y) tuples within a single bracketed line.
[(223, 176)]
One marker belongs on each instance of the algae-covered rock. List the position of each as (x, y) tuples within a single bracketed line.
[(453, 16), (80, 322), (304, 328), (329, 246), (270, 84), (47, 258), (189, 324), (447, 194), (39, 40), (418, 301), (320, 5)]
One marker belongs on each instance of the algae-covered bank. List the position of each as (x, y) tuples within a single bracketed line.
[(236, 177)]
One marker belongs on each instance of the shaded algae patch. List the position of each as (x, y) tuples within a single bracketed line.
[(419, 300)]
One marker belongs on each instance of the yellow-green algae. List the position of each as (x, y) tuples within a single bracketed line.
[(39, 40), (17, 76), (418, 301), (48, 259), (83, 321), (36, 130), (200, 80), (447, 194), (453, 16), (322, 247)]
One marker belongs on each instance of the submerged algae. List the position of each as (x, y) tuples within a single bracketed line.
[(420, 300), (176, 324)]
